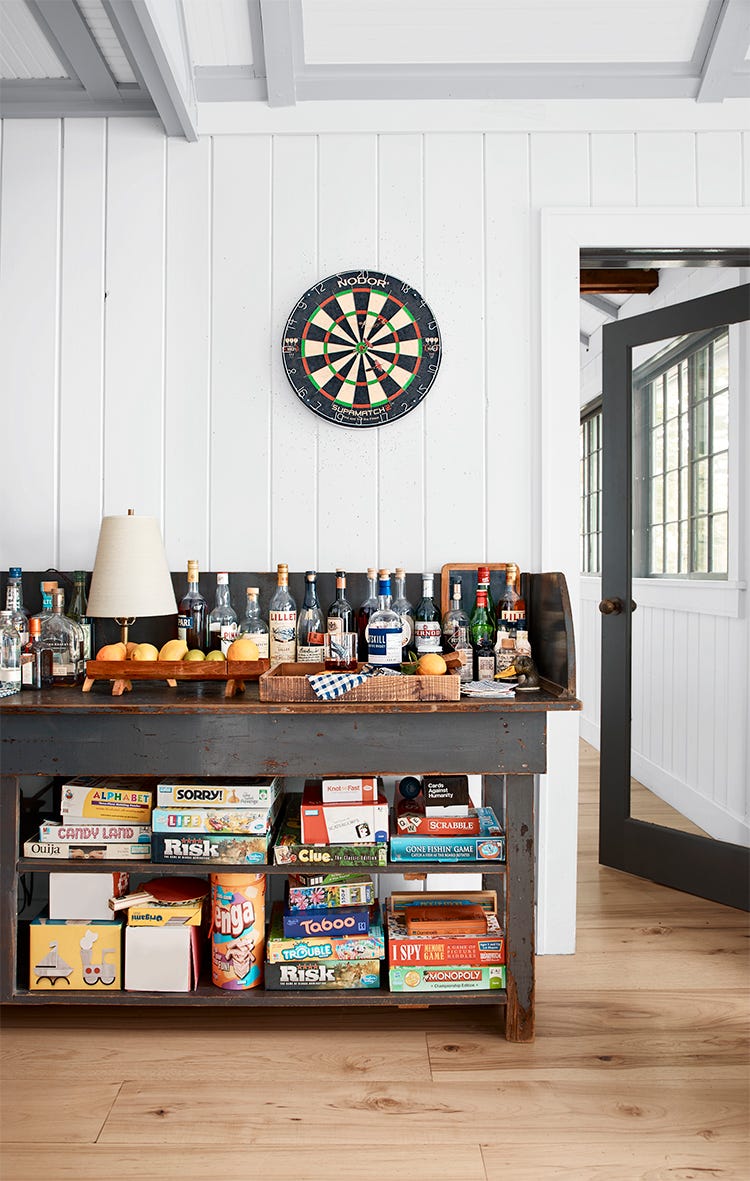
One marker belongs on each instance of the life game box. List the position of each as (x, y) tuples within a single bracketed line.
[(222, 848), (330, 890), (462, 978), (290, 850), (247, 821), (322, 974), (219, 793), (322, 947)]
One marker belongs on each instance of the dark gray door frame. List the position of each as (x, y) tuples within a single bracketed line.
[(694, 864)]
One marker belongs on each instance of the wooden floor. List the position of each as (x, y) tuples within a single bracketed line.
[(639, 1071)]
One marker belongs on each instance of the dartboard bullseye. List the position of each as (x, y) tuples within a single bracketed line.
[(361, 348)]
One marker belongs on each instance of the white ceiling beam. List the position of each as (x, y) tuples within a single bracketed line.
[(279, 29), (63, 25), (725, 58), (606, 306), (584, 339), (161, 62)]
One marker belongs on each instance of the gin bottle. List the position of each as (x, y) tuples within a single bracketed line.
[(342, 638), (78, 612), (405, 610), (384, 628), (252, 626), (311, 627), (10, 654), (427, 633), (282, 619), (192, 613), (456, 636), (365, 611), (222, 622)]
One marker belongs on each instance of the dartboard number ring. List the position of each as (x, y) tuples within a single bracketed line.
[(361, 348)]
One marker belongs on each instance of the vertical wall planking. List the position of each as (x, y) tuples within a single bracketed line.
[(240, 334), (683, 674), (454, 263), (746, 168), (722, 736), (29, 261), (507, 343), (294, 428), (82, 316), (704, 767), (401, 473), (349, 503), (666, 167), (719, 164), (187, 474), (134, 358), (612, 168)]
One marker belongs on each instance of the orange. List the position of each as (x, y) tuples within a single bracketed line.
[(431, 665)]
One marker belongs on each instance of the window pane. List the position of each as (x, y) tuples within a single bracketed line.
[(700, 542), (657, 445), (673, 443), (684, 548), (721, 363), (720, 415), (719, 564), (700, 373), (671, 565), (700, 487), (592, 553), (672, 506), (684, 509), (657, 550), (655, 393), (700, 429), (657, 501), (673, 393), (684, 439), (720, 490)]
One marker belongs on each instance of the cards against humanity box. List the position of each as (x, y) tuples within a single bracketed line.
[(341, 823), (222, 792), (91, 797), (446, 791)]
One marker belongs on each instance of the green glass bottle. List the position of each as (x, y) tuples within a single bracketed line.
[(482, 638)]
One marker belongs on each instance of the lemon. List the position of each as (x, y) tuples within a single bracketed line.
[(431, 665), (243, 649), (194, 654), (144, 652), (214, 654), (173, 650)]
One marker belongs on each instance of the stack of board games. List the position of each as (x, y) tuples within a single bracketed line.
[(102, 819), (439, 824), (336, 822), (218, 821), (445, 942), (327, 934)]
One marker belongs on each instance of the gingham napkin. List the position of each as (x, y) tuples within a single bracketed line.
[(329, 686)]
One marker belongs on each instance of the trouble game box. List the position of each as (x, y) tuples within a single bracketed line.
[(280, 949)]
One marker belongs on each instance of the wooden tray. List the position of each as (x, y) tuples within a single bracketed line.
[(123, 672), (288, 682)]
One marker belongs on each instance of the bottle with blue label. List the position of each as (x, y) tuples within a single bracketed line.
[(384, 628)]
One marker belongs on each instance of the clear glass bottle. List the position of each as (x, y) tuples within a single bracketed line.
[(46, 589), (222, 622), (311, 626), (342, 638), (192, 612), (405, 610), (482, 639), (456, 637), (511, 610), (505, 648), (252, 626), (78, 612), (36, 659), (65, 640), (427, 630), (483, 583), (365, 610), (282, 619), (384, 628), (10, 654), (14, 603)]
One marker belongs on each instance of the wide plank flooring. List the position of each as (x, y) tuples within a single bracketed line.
[(639, 1071)]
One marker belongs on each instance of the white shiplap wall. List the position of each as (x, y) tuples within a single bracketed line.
[(144, 285)]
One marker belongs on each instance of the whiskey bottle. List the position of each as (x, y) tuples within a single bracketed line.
[(78, 612), (427, 632), (36, 659), (192, 613), (405, 610), (456, 636), (384, 628), (63, 638), (365, 611), (222, 622), (282, 619), (482, 639), (311, 626), (252, 626)]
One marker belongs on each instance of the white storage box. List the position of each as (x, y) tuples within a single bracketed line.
[(162, 959), (84, 896)]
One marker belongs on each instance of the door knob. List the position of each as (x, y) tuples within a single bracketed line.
[(610, 606)]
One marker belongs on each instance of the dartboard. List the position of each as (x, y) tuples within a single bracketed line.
[(361, 348)]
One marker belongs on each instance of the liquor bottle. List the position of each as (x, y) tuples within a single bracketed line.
[(405, 610), (342, 638), (46, 589), (505, 648), (482, 639), (384, 628), (511, 610), (222, 622), (78, 612), (192, 613), (483, 583), (365, 611), (36, 659), (62, 636), (311, 627), (252, 626), (456, 637), (14, 603), (282, 619), (10, 654), (427, 633)]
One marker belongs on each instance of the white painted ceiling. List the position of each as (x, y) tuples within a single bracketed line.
[(110, 57)]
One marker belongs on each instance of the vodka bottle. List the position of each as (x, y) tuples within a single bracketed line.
[(311, 627), (192, 613), (427, 632), (365, 611), (252, 626), (10, 654), (405, 610), (282, 619), (384, 628), (14, 603), (456, 636), (78, 612), (222, 622)]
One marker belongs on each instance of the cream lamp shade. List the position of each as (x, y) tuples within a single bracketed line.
[(130, 578)]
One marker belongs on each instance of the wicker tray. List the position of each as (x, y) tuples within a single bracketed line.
[(123, 672), (288, 682)]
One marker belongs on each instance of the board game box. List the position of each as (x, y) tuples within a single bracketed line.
[(316, 975), (329, 891), (252, 821), (432, 950), (289, 849), (338, 922), (322, 947), (222, 792), (447, 849), (197, 848), (91, 797), (86, 832), (54, 851), (456, 978)]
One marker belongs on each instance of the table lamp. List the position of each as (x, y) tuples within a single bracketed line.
[(130, 577)]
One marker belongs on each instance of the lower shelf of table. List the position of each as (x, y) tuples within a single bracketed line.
[(208, 995), (42, 865)]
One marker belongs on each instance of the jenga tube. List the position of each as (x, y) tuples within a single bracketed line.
[(238, 929)]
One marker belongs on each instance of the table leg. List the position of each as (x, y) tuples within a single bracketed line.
[(519, 819), (10, 806)]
